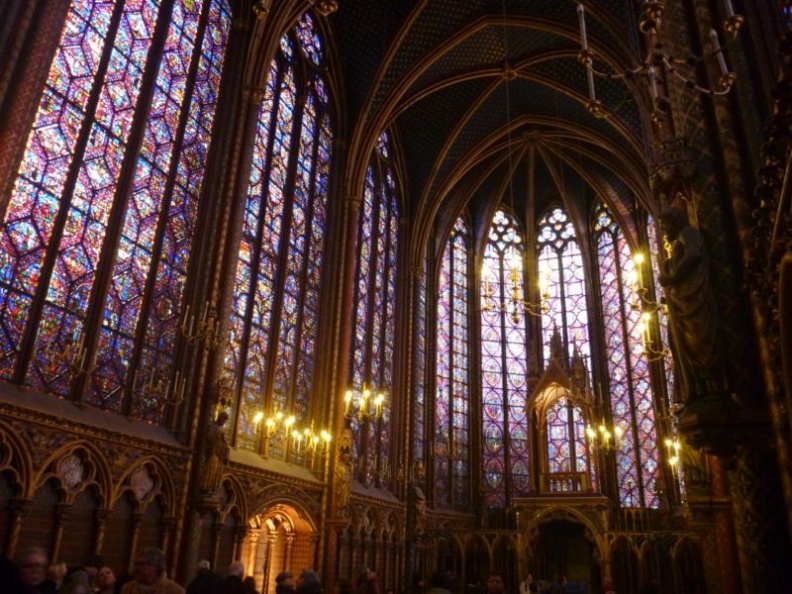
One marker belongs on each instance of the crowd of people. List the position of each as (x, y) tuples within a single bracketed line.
[(31, 573)]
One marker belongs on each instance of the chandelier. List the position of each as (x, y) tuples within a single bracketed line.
[(673, 458), (281, 427), (361, 405), (649, 309), (605, 437), (513, 299), (658, 61)]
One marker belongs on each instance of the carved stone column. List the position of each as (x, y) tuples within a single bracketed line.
[(137, 519), (101, 515), (217, 529), (289, 548), (61, 515), (272, 538), (743, 440), (168, 526), (240, 532), (18, 509), (252, 564)]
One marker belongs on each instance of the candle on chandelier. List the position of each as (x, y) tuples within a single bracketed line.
[(581, 11), (718, 51)]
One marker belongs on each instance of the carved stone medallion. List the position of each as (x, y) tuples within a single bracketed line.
[(142, 483), (71, 470)]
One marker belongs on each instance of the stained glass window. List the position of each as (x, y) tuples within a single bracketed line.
[(419, 376), (452, 393), (504, 367), (371, 365), (276, 290), (89, 198), (567, 452), (631, 396), (561, 267)]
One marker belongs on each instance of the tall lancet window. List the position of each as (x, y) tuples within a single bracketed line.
[(561, 265), (628, 370), (419, 367), (452, 388), (96, 237), (504, 367), (371, 364), (276, 291)]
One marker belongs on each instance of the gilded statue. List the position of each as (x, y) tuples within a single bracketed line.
[(344, 471), (215, 455)]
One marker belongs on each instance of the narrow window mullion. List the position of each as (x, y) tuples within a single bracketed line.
[(255, 262), (163, 220), (283, 244), (31, 328)]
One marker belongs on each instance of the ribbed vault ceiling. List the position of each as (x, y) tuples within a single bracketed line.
[(481, 91)]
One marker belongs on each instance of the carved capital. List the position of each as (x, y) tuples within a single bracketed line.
[(721, 426), (19, 508), (354, 202)]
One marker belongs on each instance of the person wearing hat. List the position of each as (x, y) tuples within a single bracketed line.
[(309, 582), (205, 581), (284, 583)]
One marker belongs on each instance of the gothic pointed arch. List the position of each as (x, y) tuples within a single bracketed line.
[(504, 364), (270, 364), (452, 371)]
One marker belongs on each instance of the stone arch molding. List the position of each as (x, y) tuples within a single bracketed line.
[(146, 481), (232, 499), (76, 466), (595, 526), (274, 495), (15, 461)]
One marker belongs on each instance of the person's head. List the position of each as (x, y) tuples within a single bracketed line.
[(495, 584), (105, 578), (92, 564), (149, 566), (78, 582), (203, 565), (236, 569), (57, 572), (222, 418), (32, 564), (309, 577), (284, 578)]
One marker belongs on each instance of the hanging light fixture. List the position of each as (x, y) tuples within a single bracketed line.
[(363, 404), (513, 300), (649, 308), (657, 61), (513, 303), (282, 428)]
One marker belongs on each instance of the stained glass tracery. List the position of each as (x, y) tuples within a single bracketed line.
[(371, 359), (58, 229), (631, 396), (504, 368), (452, 391), (561, 265), (276, 291)]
